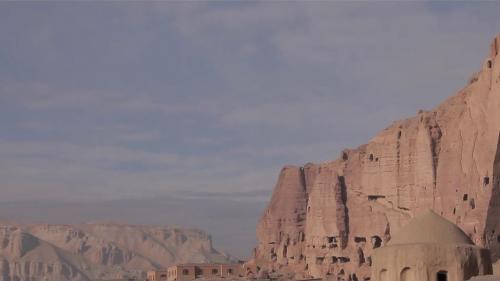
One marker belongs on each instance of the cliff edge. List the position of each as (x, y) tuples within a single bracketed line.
[(326, 219)]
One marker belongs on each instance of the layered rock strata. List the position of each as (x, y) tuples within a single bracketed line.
[(97, 251), (326, 219)]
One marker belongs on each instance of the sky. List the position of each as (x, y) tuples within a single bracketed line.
[(188, 110)]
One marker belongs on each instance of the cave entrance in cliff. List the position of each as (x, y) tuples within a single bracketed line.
[(442, 276), (383, 275), (486, 181), (376, 241), (407, 274)]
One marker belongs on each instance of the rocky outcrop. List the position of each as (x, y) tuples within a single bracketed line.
[(285, 220), (97, 251), (25, 257), (326, 219)]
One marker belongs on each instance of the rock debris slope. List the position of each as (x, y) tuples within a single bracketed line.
[(97, 251), (326, 219)]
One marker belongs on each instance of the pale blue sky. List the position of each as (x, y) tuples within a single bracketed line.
[(115, 101)]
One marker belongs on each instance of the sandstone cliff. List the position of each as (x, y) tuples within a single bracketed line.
[(97, 251), (326, 219)]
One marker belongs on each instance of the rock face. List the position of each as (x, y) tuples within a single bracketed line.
[(97, 251), (326, 219)]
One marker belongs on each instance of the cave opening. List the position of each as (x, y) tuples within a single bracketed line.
[(486, 181), (376, 241), (442, 276), (344, 259), (359, 239)]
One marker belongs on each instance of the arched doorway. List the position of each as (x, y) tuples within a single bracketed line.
[(383, 275), (442, 276), (407, 274)]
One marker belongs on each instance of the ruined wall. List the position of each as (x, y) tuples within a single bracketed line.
[(326, 219)]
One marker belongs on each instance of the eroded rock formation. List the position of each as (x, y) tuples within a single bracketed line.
[(326, 219), (97, 251)]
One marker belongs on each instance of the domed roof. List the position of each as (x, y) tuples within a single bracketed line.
[(429, 227)]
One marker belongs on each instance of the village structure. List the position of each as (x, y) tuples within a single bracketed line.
[(191, 271)]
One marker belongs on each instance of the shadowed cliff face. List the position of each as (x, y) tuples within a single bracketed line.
[(492, 235), (445, 159)]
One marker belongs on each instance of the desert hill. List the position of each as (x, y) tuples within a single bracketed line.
[(326, 219), (97, 251)]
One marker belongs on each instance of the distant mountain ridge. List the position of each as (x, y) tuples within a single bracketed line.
[(97, 251)]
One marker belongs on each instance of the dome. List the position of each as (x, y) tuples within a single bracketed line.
[(428, 228)]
